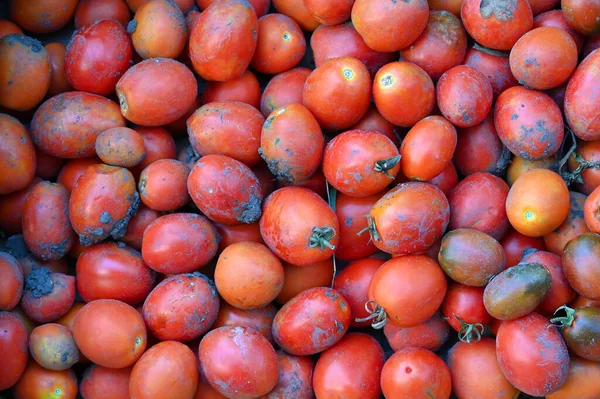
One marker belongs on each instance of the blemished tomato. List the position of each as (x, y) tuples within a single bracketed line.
[(121, 345), (89, 11), (312, 321), (11, 284), (167, 370), (38, 382), (580, 264), (464, 309), (515, 244), (14, 341), (72, 171), (17, 156), (47, 296), (495, 65), (99, 382), (350, 369), (238, 362), (581, 101), (557, 19), (581, 330), (431, 334), (42, 16), (415, 373), (476, 373), (283, 89), (245, 89), (53, 347), (532, 355), (580, 381), (163, 185), (260, 319), (295, 378), (583, 15), (120, 146), (301, 278), (280, 45), (406, 291)]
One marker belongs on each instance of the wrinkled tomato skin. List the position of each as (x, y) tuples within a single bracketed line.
[(515, 244), (11, 208), (38, 382), (280, 46), (475, 371), (353, 283), (66, 125), (283, 89), (242, 232), (238, 362), (111, 271), (97, 56), (215, 56), (295, 378), (464, 302), (350, 369), (17, 156), (582, 99), (581, 380), (137, 225), (312, 321), (102, 202), (145, 97), (99, 382), (167, 370), (225, 190), (179, 243), (245, 89), (296, 9), (329, 42), (300, 278), (494, 65), (46, 226), (14, 348), (557, 19), (11, 285), (89, 11), (227, 128), (532, 355), (260, 319), (493, 25), (430, 335), (181, 308), (47, 296), (582, 335), (580, 264), (351, 213), (582, 15), (478, 202), (415, 373), (479, 149), (163, 185)]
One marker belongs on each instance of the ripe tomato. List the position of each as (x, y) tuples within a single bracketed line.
[(89, 11), (260, 319), (431, 334), (47, 296), (295, 378), (582, 15), (580, 264), (464, 309), (301, 278), (137, 225), (120, 146), (44, 16), (283, 89), (330, 12), (280, 45), (351, 213), (11, 284), (58, 79), (38, 382), (495, 65), (99, 382), (581, 101), (580, 381), (581, 330), (163, 185), (245, 89), (242, 232), (516, 244), (53, 347), (17, 156), (14, 349), (296, 9)]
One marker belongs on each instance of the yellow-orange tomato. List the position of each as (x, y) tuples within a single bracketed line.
[(17, 156), (53, 347), (42, 16), (120, 146), (519, 165), (538, 202)]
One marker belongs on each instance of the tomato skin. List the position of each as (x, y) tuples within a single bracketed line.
[(11, 208), (48, 167), (158, 144), (580, 380), (519, 165), (47, 296), (120, 146), (216, 57), (415, 373), (350, 212), (330, 12), (299, 226), (430, 335), (295, 378), (284, 89), (238, 362), (163, 239), (137, 225), (280, 45), (312, 321), (7, 27), (89, 11), (58, 79), (353, 283), (583, 333), (260, 319), (407, 303), (38, 382), (581, 101), (580, 264), (240, 233), (97, 55), (163, 185), (11, 284), (532, 355), (590, 151), (99, 381), (300, 278), (464, 302), (17, 154), (515, 244), (67, 125), (164, 16), (53, 347), (350, 369), (582, 15), (414, 205), (72, 171), (297, 10), (14, 341), (245, 89), (557, 19), (475, 371), (494, 65)]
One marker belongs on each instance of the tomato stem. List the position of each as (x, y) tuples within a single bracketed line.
[(564, 321), (575, 176), (469, 332), (371, 228), (384, 165), (376, 313), (320, 237)]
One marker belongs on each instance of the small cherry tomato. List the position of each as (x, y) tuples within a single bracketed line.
[(463, 308)]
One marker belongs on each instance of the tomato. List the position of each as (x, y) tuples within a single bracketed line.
[(316, 182), (431, 334), (280, 45), (583, 15), (519, 165), (240, 233), (581, 330), (260, 319), (295, 378), (137, 225), (580, 380), (164, 16), (120, 146), (557, 19), (17, 156), (97, 55), (214, 55), (350, 369), (464, 309), (245, 89), (261, 7), (227, 128), (581, 266), (299, 226), (48, 167), (14, 349), (292, 157), (163, 185), (7, 27), (581, 101), (581, 301), (297, 10), (427, 149), (396, 297), (350, 211), (89, 11), (283, 89), (330, 12), (590, 178), (53, 347), (475, 371), (415, 373), (42, 16), (516, 244), (58, 79), (99, 382), (495, 65), (592, 211), (238, 361), (38, 382), (158, 144), (591, 43), (406, 86), (11, 208), (118, 346), (373, 120), (167, 370), (300, 278), (72, 171), (47, 296), (532, 355), (11, 284), (311, 322)]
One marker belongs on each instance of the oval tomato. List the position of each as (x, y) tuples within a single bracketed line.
[(431, 334), (14, 341)]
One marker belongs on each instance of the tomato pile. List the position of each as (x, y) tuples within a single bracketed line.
[(296, 199)]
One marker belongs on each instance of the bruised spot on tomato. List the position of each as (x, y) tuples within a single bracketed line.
[(348, 73), (529, 215), (286, 36), (502, 10), (387, 80)]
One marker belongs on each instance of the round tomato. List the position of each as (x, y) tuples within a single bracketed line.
[(280, 45)]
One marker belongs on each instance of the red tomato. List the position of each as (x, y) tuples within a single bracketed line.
[(245, 89), (260, 319), (583, 15), (295, 378), (351, 213), (38, 382), (47, 296), (14, 341), (17, 156), (495, 65), (283, 89), (99, 382), (163, 185), (280, 45), (431, 334), (463, 308), (515, 244), (301, 278), (89, 11), (11, 284), (330, 12)]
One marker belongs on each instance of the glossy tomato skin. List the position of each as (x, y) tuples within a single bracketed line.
[(260, 319), (338, 93), (66, 125), (120, 146), (158, 144), (98, 381), (137, 225), (280, 45), (225, 190), (111, 271), (350, 369), (580, 264), (581, 100), (312, 321), (38, 382), (351, 213), (245, 89), (117, 347), (415, 373), (464, 302), (7, 27), (163, 239), (582, 334), (89, 11), (11, 285), (73, 169), (301, 278), (592, 211), (407, 303), (515, 244), (519, 165), (495, 65), (283, 89), (46, 226), (167, 370), (163, 185), (18, 156), (295, 378), (299, 226), (214, 55), (531, 343), (400, 213), (431, 334), (373, 120), (53, 347), (14, 341), (97, 55), (475, 371), (238, 362), (47, 296)]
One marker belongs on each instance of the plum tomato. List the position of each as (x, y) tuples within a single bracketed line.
[(225, 190), (338, 93), (118, 346), (280, 45), (179, 243), (583, 15), (11, 284), (580, 264), (581, 331), (464, 309), (163, 185), (295, 378), (89, 11), (296, 9), (431, 334), (260, 319), (38, 382), (350, 369), (495, 65), (42, 16), (17, 156), (47, 295), (406, 86), (53, 347), (299, 226), (99, 382), (580, 381), (300, 278), (415, 373), (238, 362), (58, 79), (181, 308), (239, 233), (120, 146), (245, 89), (532, 355), (557, 19), (283, 89), (14, 341)]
